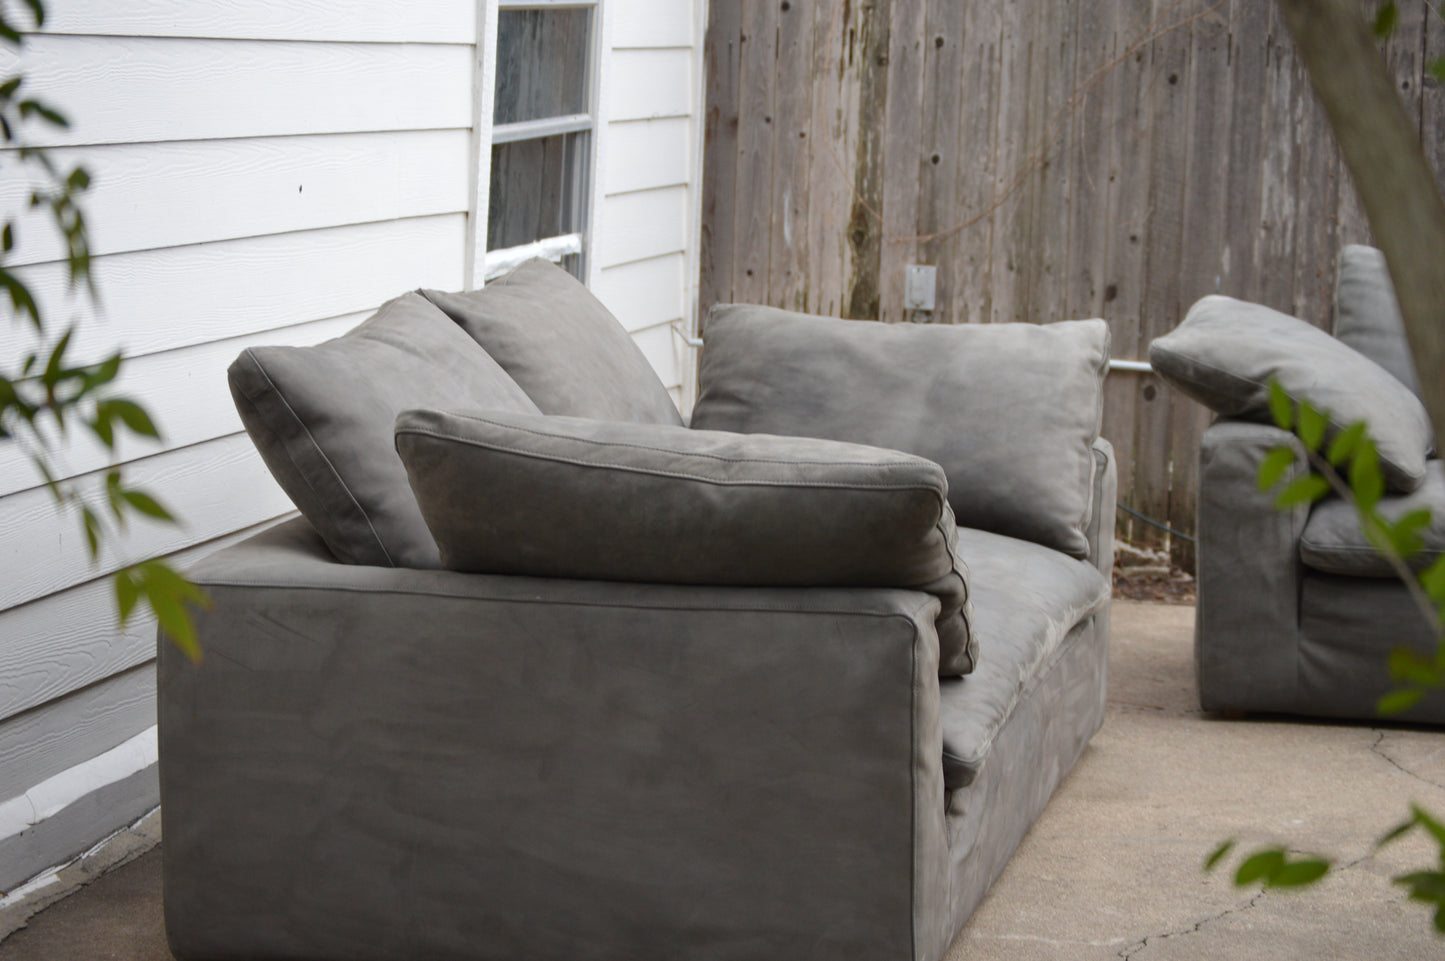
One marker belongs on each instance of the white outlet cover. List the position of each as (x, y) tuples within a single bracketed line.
[(918, 290)]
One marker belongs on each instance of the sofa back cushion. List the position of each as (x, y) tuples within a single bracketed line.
[(1367, 315), (322, 418), (600, 500), (561, 345), (1225, 353), (1010, 411)]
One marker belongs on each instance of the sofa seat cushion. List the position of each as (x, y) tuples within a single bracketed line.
[(1009, 410), (600, 500), (1333, 541), (322, 418), (1026, 599), (562, 345), (1225, 353)]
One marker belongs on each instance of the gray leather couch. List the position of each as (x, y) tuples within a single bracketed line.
[(396, 762), (1297, 612)]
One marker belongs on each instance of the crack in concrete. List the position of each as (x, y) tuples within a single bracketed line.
[(1128, 953), (1376, 749)]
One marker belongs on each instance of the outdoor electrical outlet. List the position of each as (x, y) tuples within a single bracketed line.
[(918, 290)]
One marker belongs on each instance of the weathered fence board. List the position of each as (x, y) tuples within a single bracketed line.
[(1070, 158)]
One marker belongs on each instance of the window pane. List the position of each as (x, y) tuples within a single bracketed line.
[(541, 63), (536, 189)]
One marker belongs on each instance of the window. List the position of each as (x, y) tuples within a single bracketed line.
[(543, 134)]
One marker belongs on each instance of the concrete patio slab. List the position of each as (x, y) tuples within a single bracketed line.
[(1113, 868)]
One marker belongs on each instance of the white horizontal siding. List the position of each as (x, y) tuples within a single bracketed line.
[(651, 83), (641, 225), (645, 293), (41, 743), (375, 21), (176, 297), (655, 23), (145, 196), (216, 488), (646, 154), (140, 89), (70, 640)]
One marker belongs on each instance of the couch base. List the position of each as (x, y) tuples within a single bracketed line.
[(388, 765)]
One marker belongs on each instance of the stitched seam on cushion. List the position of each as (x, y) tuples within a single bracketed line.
[(605, 443), (656, 472), (911, 617), (327, 460)]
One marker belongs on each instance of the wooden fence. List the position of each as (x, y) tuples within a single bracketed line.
[(1053, 159)]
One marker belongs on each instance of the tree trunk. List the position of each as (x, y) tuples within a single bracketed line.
[(1397, 188)]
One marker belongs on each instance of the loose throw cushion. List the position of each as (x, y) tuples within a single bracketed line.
[(1009, 410), (570, 497), (1367, 315), (322, 418), (1226, 351), (1334, 543), (561, 345)]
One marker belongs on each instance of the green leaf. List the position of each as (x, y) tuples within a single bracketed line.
[(8, 88), (1345, 443), (1272, 469), (1302, 490), (1411, 668), (93, 531), (1429, 823), (147, 505), (1259, 866), (1218, 854), (1281, 408), (1405, 534), (1298, 874), (1433, 580), (1367, 482), (1386, 19), (1395, 833), (170, 596), (1312, 424), (1437, 69), (1398, 702), (134, 416), (127, 592)]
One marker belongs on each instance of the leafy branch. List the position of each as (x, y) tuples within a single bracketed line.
[(45, 397), (1348, 465)]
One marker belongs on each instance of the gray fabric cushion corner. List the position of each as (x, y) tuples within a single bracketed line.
[(1333, 541), (597, 500), (322, 418), (1225, 352), (1027, 601), (1367, 315), (562, 346), (1010, 411)]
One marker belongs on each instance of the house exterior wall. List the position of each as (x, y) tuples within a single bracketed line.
[(265, 173)]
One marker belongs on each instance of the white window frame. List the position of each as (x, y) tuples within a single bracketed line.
[(482, 265)]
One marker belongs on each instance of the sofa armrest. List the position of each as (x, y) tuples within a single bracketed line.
[(641, 766), (1249, 573), (1100, 528)]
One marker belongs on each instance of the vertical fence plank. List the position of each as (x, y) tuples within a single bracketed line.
[(1316, 199), (1273, 259), (1432, 96), (865, 223), (792, 116), (939, 210), (719, 172), (1052, 63), (1008, 154), (1084, 284), (969, 227), (904, 149), (1167, 104), (830, 190), (752, 258)]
